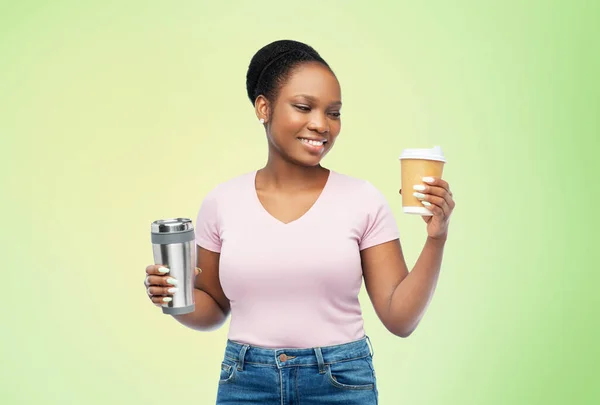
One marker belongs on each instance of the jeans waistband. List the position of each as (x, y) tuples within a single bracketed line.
[(316, 356)]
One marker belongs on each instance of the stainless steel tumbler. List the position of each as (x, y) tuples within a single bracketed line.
[(173, 244)]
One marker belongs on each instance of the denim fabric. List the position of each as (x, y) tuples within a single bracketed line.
[(341, 374)]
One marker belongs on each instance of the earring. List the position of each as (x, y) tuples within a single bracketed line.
[(262, 120)]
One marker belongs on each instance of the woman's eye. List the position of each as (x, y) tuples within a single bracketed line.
[(334, 114)]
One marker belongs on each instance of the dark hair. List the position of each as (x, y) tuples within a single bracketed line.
[(272, 65)]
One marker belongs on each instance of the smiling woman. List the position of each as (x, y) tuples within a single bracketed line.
[(284, 250), (305, 106)]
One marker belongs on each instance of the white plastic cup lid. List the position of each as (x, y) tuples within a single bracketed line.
[(434, 153)]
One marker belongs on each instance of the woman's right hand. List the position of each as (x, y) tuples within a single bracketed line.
[(160, 286)]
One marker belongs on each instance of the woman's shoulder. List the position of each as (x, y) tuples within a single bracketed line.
[(358, 189), (232, 187), (353, 183)]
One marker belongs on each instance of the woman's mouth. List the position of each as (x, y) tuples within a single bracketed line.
[(317, 144)]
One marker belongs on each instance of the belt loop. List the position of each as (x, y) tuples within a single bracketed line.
[(241, 358), (370, 346), (320, 361)]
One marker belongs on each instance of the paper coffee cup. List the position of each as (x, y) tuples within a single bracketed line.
[(414, 165)]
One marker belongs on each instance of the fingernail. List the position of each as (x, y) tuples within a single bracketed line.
[(173, 290), (419, 187), (163, 270), (167, 299), (426, 203), (428, 179), (419, 195), (171, 280)]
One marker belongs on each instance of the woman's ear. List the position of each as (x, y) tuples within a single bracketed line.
[(261, 107)]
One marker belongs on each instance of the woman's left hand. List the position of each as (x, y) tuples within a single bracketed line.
[(436, 196)]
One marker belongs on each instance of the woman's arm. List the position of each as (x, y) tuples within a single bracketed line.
[(400, 298), (212, 306)]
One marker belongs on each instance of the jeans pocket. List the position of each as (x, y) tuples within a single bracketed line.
[(351, 375), (228, 368)]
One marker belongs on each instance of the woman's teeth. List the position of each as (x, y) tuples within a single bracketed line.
[(311, 142)]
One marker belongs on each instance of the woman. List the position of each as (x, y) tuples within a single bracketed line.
[(285, 249)]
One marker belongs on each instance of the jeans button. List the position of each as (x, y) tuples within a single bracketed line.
[(282, 357)]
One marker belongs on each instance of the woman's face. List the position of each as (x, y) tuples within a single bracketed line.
[(304, 122)]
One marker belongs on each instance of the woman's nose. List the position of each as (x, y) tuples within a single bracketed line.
[(319, 123)]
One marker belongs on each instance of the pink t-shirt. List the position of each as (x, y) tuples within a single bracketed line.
[(294, 285)]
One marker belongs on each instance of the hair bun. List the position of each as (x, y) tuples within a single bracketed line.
[(267, 56)]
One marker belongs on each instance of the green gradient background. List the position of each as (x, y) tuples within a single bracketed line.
[(113, 115)]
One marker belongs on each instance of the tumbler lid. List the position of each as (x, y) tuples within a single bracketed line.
[(172, 225)]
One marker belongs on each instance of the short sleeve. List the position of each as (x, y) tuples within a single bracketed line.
[(379, 224), (207, 228)]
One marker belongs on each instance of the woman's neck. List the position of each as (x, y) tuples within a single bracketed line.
[(282, 175)]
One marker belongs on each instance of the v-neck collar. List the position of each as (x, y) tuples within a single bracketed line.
[(314, 206)]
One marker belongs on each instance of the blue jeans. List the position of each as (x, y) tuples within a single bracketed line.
[(341, 374)]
